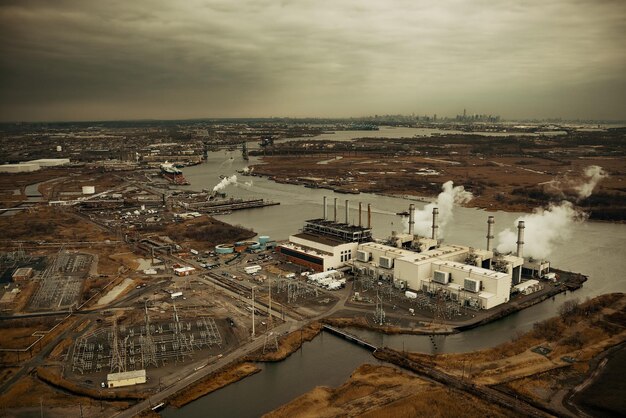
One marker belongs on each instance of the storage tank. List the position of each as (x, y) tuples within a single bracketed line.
[(89, 189), (224, 249)]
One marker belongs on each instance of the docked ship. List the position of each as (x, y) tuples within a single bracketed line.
[(173, 174)]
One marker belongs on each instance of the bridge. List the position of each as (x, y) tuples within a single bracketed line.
[(349, 337)]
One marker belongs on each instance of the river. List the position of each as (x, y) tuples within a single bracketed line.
[(594, 249)]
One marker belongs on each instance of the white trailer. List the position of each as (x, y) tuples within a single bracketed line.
[(194, 252), (176, 295), (252, 269), (410, 295)]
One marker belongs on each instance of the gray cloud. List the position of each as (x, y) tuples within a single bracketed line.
[(160, 59)]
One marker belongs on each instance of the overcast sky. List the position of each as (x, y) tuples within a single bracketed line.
[(87, 59)]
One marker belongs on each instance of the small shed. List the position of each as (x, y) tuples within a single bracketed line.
[(22, 273)]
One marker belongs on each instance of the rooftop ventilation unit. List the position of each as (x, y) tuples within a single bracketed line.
[(386, 262), (471, 285), (363, 256), (441, 277)]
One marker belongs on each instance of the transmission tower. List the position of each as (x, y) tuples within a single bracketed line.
[(118, 362), (270, 338), (379, 313), (148, 349)]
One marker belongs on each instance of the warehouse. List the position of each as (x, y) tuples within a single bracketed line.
[(135, 377)]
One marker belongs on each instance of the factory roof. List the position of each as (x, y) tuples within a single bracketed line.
[(320, 239), (395, 251), (471, 269)]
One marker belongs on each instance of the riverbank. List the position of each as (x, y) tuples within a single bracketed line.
[(374, 391), (520, 376), (223, 377), (513, 184), (245, 367)]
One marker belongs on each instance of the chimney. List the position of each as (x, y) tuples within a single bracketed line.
[(347, 212), (411, 219), (490, 222), (335, 219), (325, 214), (435, 225), (520, 239), (360, 208), (369, 215)]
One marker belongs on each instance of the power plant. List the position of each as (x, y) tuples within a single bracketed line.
[(472, 277)]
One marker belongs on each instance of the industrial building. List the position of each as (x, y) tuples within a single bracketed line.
[(33, 165), (472, 277), (325, 244), (134, 377)]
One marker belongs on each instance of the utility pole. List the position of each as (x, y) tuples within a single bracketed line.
[(253, 333)]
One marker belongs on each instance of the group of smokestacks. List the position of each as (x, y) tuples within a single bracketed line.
[(435, 225), (347, 207), (520, 235)]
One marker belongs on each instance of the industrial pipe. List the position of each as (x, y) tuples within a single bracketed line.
[(325, 214), (520, 239), (490, 222), (360, 208), (369, 215), (435, 225), (347, 212), (335, 219)]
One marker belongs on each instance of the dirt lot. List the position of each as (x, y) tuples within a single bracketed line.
[(50, 224)]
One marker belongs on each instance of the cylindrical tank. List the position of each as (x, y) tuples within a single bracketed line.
[(263, 239), (59, 148), (224, 249), (89, 189)]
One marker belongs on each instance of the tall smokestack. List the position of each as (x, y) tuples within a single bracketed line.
[(360, 208), (435, 224), (490, 222), (369, 215), (335, 218), (325, 214), (347, 212), (520, 239), (411, 218)]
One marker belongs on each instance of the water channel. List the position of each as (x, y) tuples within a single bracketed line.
[(594, 249)]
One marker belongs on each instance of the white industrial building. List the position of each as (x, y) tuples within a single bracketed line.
[(19, 168), (135, 377), (33, 165), (445, 268), (325, 244), (50, 162)]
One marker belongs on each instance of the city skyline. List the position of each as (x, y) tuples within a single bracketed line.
[(214, 59)]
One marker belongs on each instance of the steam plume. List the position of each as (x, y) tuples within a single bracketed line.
[(225, 182), (593, 175), (545, 228), (446, 200)]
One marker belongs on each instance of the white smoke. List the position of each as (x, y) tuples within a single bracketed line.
[(593, 175), (544, 229), (225, 182), (446, 200), (245, 170)]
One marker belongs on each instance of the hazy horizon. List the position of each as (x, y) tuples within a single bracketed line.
[(99, 61)]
